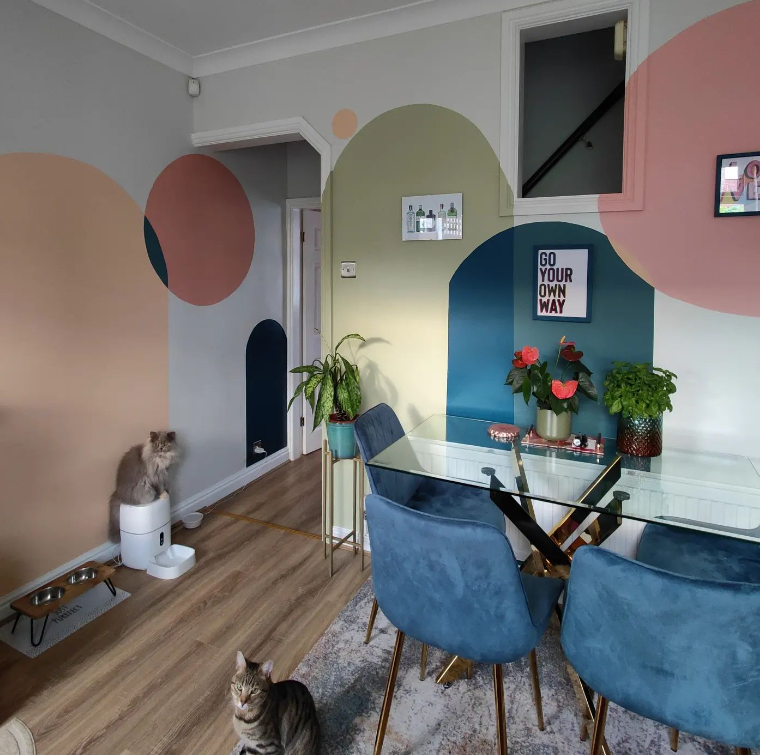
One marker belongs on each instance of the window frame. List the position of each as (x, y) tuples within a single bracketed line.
[(513, 24)]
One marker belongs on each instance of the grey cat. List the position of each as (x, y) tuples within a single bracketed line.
[(272, 718), (143, 475)]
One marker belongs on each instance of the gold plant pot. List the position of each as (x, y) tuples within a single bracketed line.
[(551, 426)]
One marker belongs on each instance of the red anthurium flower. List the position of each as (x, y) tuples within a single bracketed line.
[(569, 353), (564, 390), (519, 362), (529, 354)]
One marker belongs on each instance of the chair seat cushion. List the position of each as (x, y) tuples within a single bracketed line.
[(454, 501), (542, 594), (700, 554)]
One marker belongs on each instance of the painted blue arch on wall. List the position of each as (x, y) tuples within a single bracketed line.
[(266, 368), (490, 316), (481, 332)]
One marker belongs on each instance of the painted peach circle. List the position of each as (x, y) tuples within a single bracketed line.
[(203, 222), (344, 123), (700, 103)]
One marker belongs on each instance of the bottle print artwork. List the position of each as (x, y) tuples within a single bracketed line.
[(419, 226), (410, 220), (432, 217)]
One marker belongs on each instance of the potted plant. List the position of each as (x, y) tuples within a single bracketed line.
[(332, 388), (640, 394), (557, 399)]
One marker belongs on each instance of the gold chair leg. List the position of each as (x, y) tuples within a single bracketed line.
[(501, 716), (601, 719), (674, 740), (385, 711), (423, 662), (371, 624), (584, 726), (536, 689)]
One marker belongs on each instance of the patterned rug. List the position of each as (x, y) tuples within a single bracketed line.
[(347, 679)]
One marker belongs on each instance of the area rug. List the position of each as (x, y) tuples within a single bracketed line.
[(16, 739), (63, 621), (347, 679)]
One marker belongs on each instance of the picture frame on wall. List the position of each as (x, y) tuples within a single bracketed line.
[(432, 217), (562, 282), (737, 185)]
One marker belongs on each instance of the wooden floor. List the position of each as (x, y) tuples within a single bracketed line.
[(290, 495), (152, 675)]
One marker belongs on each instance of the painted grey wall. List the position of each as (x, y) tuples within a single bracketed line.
[(565, 79), (207, 344), (69, 91), (304, 178)]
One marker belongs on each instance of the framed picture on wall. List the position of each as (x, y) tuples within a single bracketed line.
[(736, 184), (562, 283), (435, 217)]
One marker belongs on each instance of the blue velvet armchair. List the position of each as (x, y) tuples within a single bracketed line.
[(377, 429), (455, 584), (680, 650)]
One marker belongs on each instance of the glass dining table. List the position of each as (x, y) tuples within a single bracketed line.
[(557, 500)]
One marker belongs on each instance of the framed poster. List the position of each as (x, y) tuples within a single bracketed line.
[(736, 185), (562, 283), (435, 217)]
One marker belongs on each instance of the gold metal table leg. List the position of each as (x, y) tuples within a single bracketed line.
[(371, 623), (536, 689), (353, 501), (325, 472), (423, 662), (331, 505), (361, 510), (455, 669), (601, 721)]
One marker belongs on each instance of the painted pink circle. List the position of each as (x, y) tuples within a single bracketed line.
[(701, 102), (204, 224)]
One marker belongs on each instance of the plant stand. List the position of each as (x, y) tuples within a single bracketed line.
[(40, 603), (329, 460)]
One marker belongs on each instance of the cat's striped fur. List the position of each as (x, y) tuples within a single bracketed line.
[(272, 718)]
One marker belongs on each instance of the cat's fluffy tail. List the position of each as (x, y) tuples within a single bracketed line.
[(114, 531)]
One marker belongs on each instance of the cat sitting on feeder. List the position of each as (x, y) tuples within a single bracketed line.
[(143, 475)]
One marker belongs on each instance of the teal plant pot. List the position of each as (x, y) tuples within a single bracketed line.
[(341, 438)]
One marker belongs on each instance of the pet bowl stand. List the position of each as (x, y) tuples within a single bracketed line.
[(67, 587)]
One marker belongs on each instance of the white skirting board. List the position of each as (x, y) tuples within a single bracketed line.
[(107, 551)]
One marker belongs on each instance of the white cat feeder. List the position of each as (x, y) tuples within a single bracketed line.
[(146, 541)]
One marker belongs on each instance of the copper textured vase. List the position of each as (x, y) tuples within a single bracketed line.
[(640, 436)]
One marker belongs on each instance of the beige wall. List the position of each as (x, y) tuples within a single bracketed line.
[(83, 328)]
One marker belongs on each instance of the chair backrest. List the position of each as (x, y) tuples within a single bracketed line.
[(681, 651), (449, 582), (375, 430)]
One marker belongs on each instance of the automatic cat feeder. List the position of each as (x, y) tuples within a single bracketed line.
[(146, 541)]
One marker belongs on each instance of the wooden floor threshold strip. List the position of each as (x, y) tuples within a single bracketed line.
[(281, 527)]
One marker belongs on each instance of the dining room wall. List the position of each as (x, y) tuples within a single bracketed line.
[(699, 270)]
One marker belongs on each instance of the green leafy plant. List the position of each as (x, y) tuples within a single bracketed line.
[(639, 390), (330, 385), (532, 378)]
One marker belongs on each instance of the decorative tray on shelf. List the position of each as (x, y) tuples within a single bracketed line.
[(593, 446)]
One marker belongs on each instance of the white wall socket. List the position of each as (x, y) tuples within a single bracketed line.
[(348, 270)]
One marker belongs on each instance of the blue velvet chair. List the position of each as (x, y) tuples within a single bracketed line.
[(455, 584), (377, 429), (680, 650)]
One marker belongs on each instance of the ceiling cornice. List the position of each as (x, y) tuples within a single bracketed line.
[(387, 23), (117, 29)]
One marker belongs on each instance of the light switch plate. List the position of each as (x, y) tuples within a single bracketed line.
[(348, 270)]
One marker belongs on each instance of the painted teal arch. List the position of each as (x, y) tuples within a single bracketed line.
[(491, 315)]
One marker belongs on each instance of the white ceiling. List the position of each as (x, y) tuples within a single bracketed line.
[(203, 37), (199, 27)]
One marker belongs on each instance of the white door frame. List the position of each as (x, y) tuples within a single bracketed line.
[(269, 132), (293, 312)]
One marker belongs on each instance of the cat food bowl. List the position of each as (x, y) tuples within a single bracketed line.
[(47, 595), (85, 574), (172, 562), (191, 521)]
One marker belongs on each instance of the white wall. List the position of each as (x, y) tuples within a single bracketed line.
[(207, 344), (304, 179), (69, 91)]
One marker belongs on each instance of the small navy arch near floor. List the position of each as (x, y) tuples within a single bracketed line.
[(491, 315), (266, 368)]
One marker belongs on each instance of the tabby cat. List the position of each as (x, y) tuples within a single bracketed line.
[(143, 475), (272, 718)]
